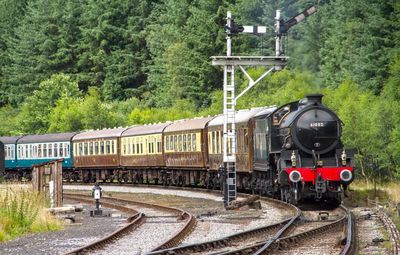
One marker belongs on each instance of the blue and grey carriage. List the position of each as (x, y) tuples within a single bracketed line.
[(22, 152)]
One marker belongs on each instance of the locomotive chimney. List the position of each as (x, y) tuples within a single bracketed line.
[(314, 98)]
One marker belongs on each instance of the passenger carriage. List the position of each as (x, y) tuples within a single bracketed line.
[(244, 144), (142, 152), (22, 152), (185, 150), (37, 149), (95, 151), (10, 148)]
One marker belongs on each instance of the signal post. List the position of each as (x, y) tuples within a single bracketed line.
[(229, 63)]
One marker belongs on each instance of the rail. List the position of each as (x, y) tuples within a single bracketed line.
[(232, 239), (173, 241), (134, 220), (282, 242)]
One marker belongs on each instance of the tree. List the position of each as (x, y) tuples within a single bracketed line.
[(113, 47), (33, 117), (95, 114), (66, 116), (42, 46)]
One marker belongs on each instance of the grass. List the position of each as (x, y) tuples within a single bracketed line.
[(362, 191), (386, 193), (23, 211)]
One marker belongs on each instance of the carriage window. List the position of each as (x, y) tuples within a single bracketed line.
[(149, 146), (86, 152), (96, 148), (50, 148), (184, 142), (45, 150), (30, 150), (213, 142), (180, 143), (60, 151), (39, 150), (217, 142), (159, 146), (80, 149), (126, 146), (112, 147), (55, 147), (189, 142), (246, 139), (108, 147), (222, 140), (67, 150), (141, 148), (194, 142), (171, 143), (167, 143), (133, 146), (102, 148), (175, 143), (91, 148)]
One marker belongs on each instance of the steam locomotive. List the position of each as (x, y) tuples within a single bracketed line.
[(307, 153), (293, 152)]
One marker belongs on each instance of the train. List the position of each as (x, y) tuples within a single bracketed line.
[(293, 152)]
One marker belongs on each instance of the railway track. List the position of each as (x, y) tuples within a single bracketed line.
[(135, 221), (291, 244), (277, 239), (231, 242), (394, 234)]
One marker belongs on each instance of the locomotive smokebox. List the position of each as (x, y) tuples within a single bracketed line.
[(314, 98)]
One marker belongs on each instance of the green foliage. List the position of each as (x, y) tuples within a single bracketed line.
[(33, 116), (180, 110)]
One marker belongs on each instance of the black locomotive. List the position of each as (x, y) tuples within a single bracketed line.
[(306, 156)]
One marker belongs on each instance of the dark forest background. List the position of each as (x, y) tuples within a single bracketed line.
[(68, 65)]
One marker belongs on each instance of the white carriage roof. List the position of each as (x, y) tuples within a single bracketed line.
[(188, 124), (146, 129), (241, 116), (98, 134)]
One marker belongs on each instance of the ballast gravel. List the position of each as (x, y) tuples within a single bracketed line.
[(88, 229), (371, 233), (149, 190), (147, 237)]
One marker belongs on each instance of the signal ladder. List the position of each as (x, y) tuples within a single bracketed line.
[(230, 134)]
